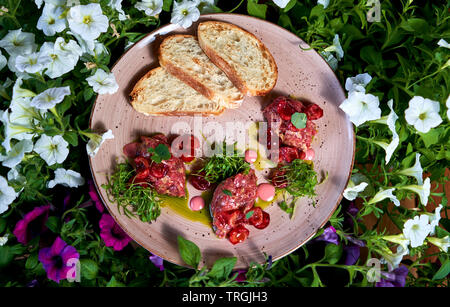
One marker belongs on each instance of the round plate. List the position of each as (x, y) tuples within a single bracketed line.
[(302, 74)]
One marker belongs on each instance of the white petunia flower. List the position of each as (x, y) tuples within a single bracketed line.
[(117, 5), (423, 114), (416, 171), (281, 3), (7, 195), (442, 243), (14, 175), (435, 218), (13, 130), (96, 141), (325, 3), (87, 21), (206, 6), (3, 61), (17, 42), (390, 121), (447, 104), (12, 67), (422, 190), (398, 239), (185, 13), (3, 240), (38, 3), (150, 7), (352, 190), (361, 107), (14, 156), (443, 43), (66, 178), (52, 149), (50, 97), (103, 82), (23, 114), (33, 62), (358, 83), (336, 48), (19, 92), (64, 56), (417, 229), (383, 194), (393, 260), (51, 20)]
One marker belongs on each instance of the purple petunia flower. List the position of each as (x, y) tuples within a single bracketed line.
[(94, 197), (157, 261), (32, 225), (112, 234), (329, 235), (59, 260), (395, 278), (352, 253), (242, 275)]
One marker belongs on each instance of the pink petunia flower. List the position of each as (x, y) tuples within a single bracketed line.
[(112, 234), (32, 224), (59, 260), (95, 198)]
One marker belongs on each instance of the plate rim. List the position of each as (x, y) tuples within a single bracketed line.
[(211, 16)]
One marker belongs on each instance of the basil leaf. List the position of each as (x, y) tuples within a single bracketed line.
[(249, 214), (163, 151), (299, 120), (189, 252), (333, 253), (222, 267)]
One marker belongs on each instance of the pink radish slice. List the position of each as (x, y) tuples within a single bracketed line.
[(251, 156), (266, 191), (196, 203), (309, 154)]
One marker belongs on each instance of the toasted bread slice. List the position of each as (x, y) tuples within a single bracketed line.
[(243, 57), (160, 93), (182, 56)]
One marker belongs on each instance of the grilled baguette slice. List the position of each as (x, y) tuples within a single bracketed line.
[(160, 93), (243, 57), (182, 56)]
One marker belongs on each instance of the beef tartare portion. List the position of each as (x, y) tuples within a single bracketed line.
[(166, 177), (232, 207), (294, 142)]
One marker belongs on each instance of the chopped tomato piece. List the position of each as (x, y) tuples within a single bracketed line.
[(313, 112), (288, 154), (285, 110), (131, 150), (257, 216), (158, 170), (238, 234)]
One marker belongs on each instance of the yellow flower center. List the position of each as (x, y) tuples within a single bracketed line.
[(87, 19), (423, 116), (185, 12)]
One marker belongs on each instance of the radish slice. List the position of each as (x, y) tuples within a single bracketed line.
[(251, 156), (266, 191), (309, 154), (196, 203)]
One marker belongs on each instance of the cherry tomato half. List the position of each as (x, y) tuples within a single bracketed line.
[(265, 221), (199, 181), (313, 112), (285, 110), (238, 234), (257, 216), (193, 144), (288, 154)]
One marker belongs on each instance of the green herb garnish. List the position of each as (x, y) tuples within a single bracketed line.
[(133, 198), (221, 167), (160, 153), (299, 120), (227, 192), (249, 214), (301, 181)]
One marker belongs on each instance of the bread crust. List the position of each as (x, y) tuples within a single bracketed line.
[(138, 88), (227, 68)]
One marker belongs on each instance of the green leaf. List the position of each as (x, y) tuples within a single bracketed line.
[(54, 224), (299, 120), (166, 5), (114, 283), (160, 153), (333, 253), (289, 6), (31, 262), (89, 269), (71, 137), (88, 93), (249, 214), (189, 252), (255, 9), (370, 55), (8, 252), (2, 224), (431, 137), (222, 268), (443, 271)]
